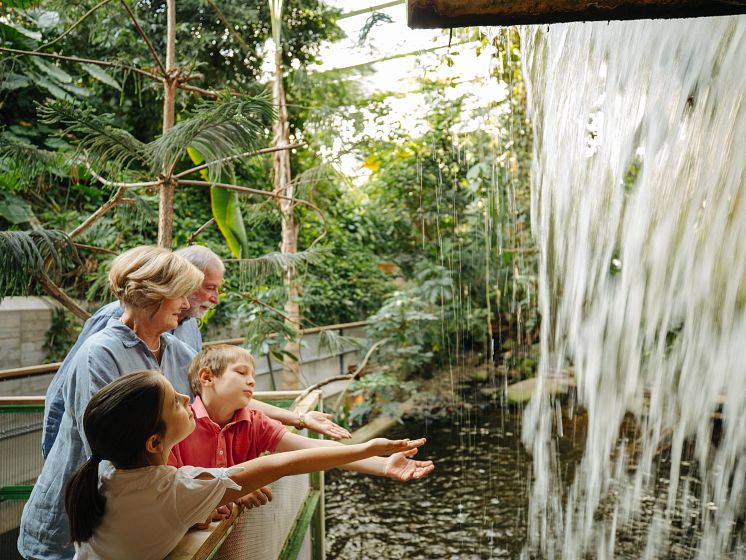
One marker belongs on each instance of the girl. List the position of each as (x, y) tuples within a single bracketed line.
[(126, 502)]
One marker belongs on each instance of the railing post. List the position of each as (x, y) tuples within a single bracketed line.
[(318, 541)]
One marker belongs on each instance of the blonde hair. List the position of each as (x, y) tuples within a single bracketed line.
[(144, 276), (216, 358)]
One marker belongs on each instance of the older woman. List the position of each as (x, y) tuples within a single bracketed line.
[(187, 331), (152, 285)]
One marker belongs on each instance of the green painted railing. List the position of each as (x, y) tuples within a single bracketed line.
[(309, 517)]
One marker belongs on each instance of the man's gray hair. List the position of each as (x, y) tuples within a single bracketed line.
[(201, 257)]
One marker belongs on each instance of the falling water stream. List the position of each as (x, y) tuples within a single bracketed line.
[(639, 215), (639, 212)]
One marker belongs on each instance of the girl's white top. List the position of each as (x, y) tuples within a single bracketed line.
[(148, 510)]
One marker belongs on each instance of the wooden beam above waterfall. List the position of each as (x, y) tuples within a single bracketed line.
[(431, 14)]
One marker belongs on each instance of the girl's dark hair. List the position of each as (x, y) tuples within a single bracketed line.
[(118, 421)]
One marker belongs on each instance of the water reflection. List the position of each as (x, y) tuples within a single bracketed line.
[(473, 506)]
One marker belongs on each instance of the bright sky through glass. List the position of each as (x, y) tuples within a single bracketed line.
[(470, 72)]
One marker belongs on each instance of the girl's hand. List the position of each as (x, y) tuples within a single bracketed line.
[(322, 423), (400, 467), (256, 498), (383, 446)]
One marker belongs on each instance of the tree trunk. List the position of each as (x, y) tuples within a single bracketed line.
[(168, 186), (283, 186)]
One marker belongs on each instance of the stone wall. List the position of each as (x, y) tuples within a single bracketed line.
[(24, 322)]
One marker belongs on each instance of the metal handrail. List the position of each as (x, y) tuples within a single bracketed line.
[(202, 545), (42, 369)]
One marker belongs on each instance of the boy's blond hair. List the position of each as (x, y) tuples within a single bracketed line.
[(217, 358)]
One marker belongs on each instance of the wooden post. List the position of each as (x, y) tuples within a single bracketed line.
[(283, 185), (168, 186), (431, 14)]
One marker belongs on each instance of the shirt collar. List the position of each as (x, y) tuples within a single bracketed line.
[(127, 335), (241, 415)]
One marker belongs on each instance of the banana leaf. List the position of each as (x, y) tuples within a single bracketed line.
[(225, 210)]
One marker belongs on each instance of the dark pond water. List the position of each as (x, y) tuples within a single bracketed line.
[(473, 506)]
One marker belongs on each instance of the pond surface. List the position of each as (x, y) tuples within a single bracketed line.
[(474, 505)]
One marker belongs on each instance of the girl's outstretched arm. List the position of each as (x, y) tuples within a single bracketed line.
[(399, 466), (263, 470)]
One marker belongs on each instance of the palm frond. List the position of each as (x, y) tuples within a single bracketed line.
[(25, 162), (99, 289), (139, 213), (266, 334), (103, 143), (335, 343), (261, 214), (23, 254), (307, 183), (256, 269), (216, 129)]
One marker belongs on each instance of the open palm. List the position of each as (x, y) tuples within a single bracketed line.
[(400, 467)]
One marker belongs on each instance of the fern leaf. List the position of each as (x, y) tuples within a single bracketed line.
[(216, 129), (23, 254), (256, 269), (104, 143)]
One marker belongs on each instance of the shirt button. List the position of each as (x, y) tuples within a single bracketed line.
[(221, 451)]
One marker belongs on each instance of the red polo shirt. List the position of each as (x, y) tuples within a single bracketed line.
[(245, 437)]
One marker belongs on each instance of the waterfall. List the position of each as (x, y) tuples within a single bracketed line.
[(639, 212)]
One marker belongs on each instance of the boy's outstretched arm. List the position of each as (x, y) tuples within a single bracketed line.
[(313, 420), (263, 470), (398, 466)]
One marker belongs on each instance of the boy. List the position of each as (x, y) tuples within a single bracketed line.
[(228, 432)]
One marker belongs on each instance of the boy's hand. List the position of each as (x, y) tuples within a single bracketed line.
[(256, 498), (383, 446), (400, 467), (322, 423)]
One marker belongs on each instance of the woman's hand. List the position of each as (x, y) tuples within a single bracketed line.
[(256, 498), (383, 446), (322, 423), (400, 467)]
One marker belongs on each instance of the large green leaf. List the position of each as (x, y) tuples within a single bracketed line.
[(101, 75), (226, 211), (11, 31), (14, 209)]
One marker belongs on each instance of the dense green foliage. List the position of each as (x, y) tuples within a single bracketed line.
[(433, 246), (452, 212)]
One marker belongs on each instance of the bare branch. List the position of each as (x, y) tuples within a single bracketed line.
[(83, 61), (228, 26), (105, 207), (54, 290), (73, 26), (350, 376), (108, 183), (145, 38), (238, 156), (202, 228), (203, 92), (94, 249)]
